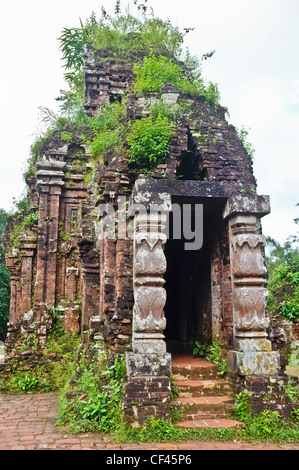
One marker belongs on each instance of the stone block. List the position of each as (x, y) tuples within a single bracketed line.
[(148, 365), (253, 363)]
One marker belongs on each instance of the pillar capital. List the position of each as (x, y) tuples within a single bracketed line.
[(249, 204)]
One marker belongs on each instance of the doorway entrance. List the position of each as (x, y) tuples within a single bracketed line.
[(188, 308)]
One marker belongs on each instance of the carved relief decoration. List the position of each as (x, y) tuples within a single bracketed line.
[(250, 304), (149, 294), (248, 259)]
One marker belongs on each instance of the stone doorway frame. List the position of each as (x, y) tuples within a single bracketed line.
[(149, 362)]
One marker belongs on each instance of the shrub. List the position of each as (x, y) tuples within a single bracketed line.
[(101, 388), (149, 140), (108, 129), (283, 288), (155, 71)]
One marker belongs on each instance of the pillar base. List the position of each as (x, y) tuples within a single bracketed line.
[(147, 391), (148, 364), (253, 362)]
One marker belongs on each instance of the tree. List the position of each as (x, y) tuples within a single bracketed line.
[(283, 267)]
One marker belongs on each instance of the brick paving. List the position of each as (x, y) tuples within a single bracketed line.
[(27, 422)]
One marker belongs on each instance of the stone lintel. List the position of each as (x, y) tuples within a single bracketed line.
[(153, 191), (45, 185), (148, 364), (253, 362), (253, 204), (50, 165)]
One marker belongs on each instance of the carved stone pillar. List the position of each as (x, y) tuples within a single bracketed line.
[(149, 347), (252, 353), (147, 392), (149, 294)]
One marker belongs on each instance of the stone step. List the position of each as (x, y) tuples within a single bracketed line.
[(197, 388), (210, 423), (205, 406), (203, 398), (188, 367)]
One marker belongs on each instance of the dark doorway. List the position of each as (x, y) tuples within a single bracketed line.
[(188, 308)]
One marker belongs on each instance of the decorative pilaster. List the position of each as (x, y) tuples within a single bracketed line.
[(28, 251), (50, 178)]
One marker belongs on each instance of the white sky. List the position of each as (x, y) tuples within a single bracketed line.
[(256, 66)]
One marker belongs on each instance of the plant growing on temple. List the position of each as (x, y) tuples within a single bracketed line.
[(155, 71), (149, 141), (243, 136), (212, 352), (200, 349), (108, 129), (123, 35)]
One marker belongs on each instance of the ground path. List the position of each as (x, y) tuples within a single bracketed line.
[(27, 422)]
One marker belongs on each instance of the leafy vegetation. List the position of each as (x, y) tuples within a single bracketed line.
[(155, 71), (243, 136), (149, 140), (212, 352), (283, 266), (92, 400), (108, 130), (43, 371)]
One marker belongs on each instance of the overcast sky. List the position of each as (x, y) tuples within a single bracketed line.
[(256, 66)]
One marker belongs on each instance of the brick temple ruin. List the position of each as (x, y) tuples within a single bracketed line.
[(145, 295)]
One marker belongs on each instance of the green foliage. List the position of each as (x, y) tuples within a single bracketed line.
[(243, 136), (124, 36), (200, 349), (174, 391), (214, 353), (3, 221), (27, 383), (120, 35), (42, 374), (241, 410), (292, 390), (295, 415), (108, 129), (29, 341), (267, 425), (98, 394), (283, 288), (31, 219), (289, 309), (281, 254), (155, 71), (149, 140)]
